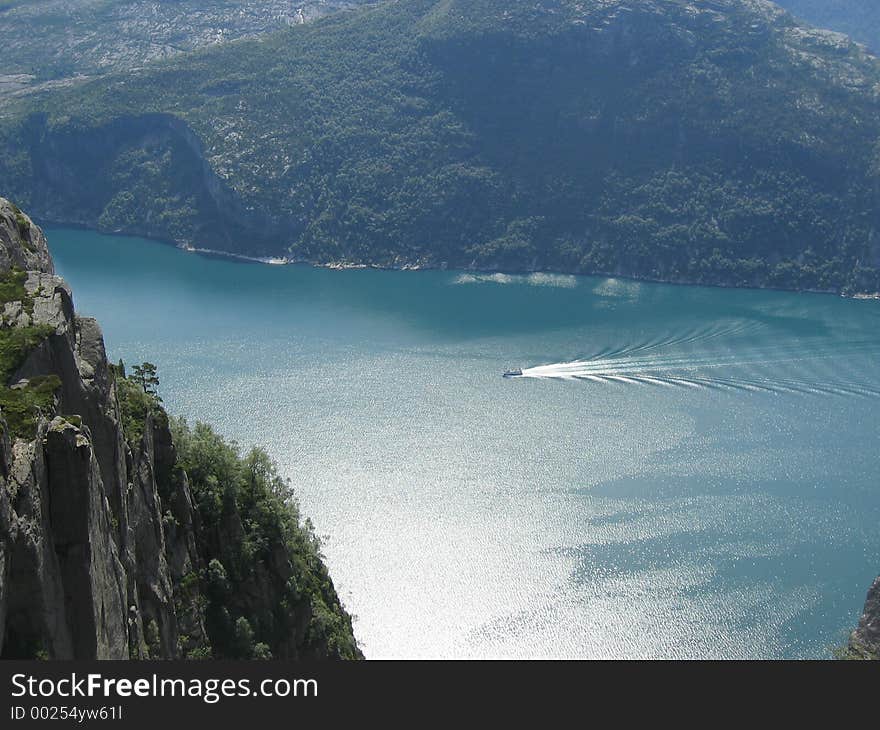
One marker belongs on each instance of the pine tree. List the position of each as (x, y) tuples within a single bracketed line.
[(145, 375)]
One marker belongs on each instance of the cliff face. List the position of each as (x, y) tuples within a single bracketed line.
[(102, 552), (160, 143), (865, 640)]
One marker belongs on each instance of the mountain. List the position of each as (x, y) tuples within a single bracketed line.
[(716, 142), (859, 19), (126, 534), (54, 42)]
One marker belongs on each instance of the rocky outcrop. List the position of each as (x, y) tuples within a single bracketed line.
[(91, 572), (62, 158), (72, 545), (35, 617), (865, 640), (857, 18), (22, 244), (99, 539)]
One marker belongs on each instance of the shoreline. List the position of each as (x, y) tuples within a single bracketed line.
[(350, 266), (268, 260)]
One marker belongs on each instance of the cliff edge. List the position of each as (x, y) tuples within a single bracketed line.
[(108, 549), (864, 642)]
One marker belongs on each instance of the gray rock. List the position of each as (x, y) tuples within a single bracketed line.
[(66, 542), (95, 595), (865, 640), (7, 536), (99, 539), (152, 574), (36, 619), (22, 244)]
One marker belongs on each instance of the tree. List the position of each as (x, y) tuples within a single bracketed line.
[(243, 641), (145, 375)]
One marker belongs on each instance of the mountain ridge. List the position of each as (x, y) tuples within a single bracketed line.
[(718, 144), (52, 42), (859, 19)]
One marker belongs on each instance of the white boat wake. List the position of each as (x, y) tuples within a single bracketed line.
[(778, 369)]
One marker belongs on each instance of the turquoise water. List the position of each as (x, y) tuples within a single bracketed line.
[(683, 472)]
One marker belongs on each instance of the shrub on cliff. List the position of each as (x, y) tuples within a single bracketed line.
[(267, 591), (268, 588), (135, 404)]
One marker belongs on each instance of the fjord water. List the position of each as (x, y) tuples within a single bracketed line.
[(682, 472)]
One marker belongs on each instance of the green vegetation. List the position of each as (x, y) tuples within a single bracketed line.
[(41, 38), (12, 287), (849, 652), (265, 591), (146, 376), (662, 140), (136, 402), (151, 639), (73, 420), (23, 225), (23, 403), (857, 18), (255, 543)]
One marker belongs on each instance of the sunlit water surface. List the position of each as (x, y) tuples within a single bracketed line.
[(681, 472)]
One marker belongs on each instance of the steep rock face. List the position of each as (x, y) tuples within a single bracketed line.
[(865, 640), (22, 244), (101, 551), (5, 529), (112, 156), (90, 569), (36, 621), (71, 548)]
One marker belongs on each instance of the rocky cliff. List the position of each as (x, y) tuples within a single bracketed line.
[(864, 643), (103, 551)]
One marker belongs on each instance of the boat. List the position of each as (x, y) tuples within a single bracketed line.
[(515, 373)]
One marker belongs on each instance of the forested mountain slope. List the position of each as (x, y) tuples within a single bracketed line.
[(716, 142), (859, 19), (52, 42)]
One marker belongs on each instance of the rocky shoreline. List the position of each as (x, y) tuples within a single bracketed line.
[(422, 266)]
